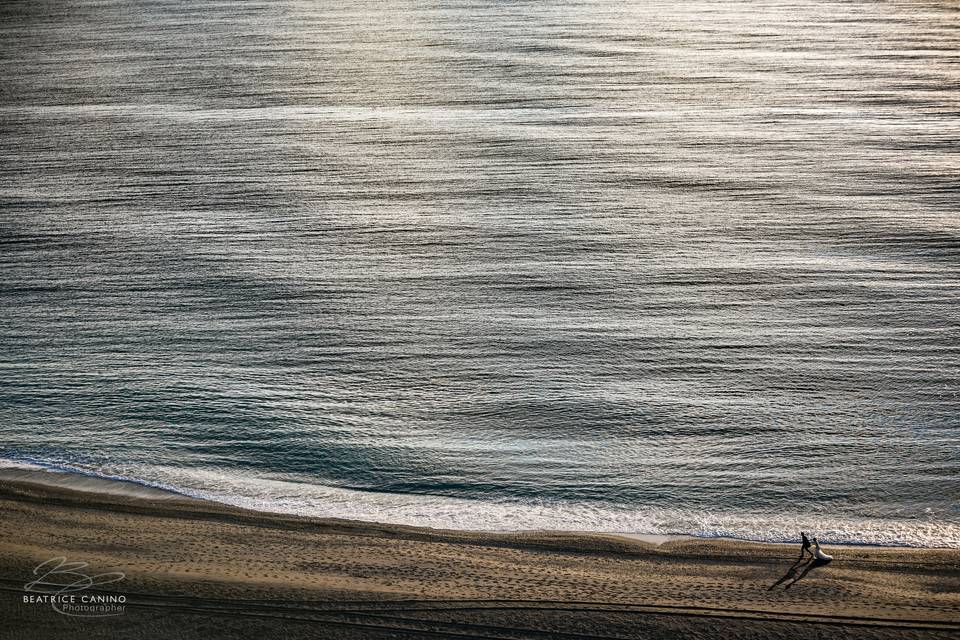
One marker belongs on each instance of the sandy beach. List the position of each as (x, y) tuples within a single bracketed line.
[(190, 568)]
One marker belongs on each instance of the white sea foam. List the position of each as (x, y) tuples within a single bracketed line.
[(9, 464), (80, 480), (297, 495)]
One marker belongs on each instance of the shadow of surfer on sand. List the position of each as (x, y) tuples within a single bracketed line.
[(801, 567)]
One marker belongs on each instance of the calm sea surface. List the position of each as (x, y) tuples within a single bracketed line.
[(661, 267)]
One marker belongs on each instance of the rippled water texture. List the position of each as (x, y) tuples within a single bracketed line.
[(626, 266)]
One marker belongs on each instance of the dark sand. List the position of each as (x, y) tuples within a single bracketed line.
[(196, 569)]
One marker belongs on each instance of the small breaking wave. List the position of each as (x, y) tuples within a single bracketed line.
[(303, 496)]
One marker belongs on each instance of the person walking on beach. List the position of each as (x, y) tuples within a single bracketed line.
[(818, 554), (804, 545), (799, 568)]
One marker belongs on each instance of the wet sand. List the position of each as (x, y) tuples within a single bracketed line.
[(200, 569)]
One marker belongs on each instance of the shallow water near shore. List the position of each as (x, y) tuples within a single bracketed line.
[(639, 267), (304, 497)]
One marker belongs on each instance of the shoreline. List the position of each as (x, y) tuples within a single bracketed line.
[(196, 567), (91, 483)]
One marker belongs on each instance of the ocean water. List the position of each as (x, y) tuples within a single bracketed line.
[(647, 267)]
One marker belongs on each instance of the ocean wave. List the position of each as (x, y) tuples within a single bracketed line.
[(299, 495)]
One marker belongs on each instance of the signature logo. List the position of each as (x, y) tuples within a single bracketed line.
[(62, 584)]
